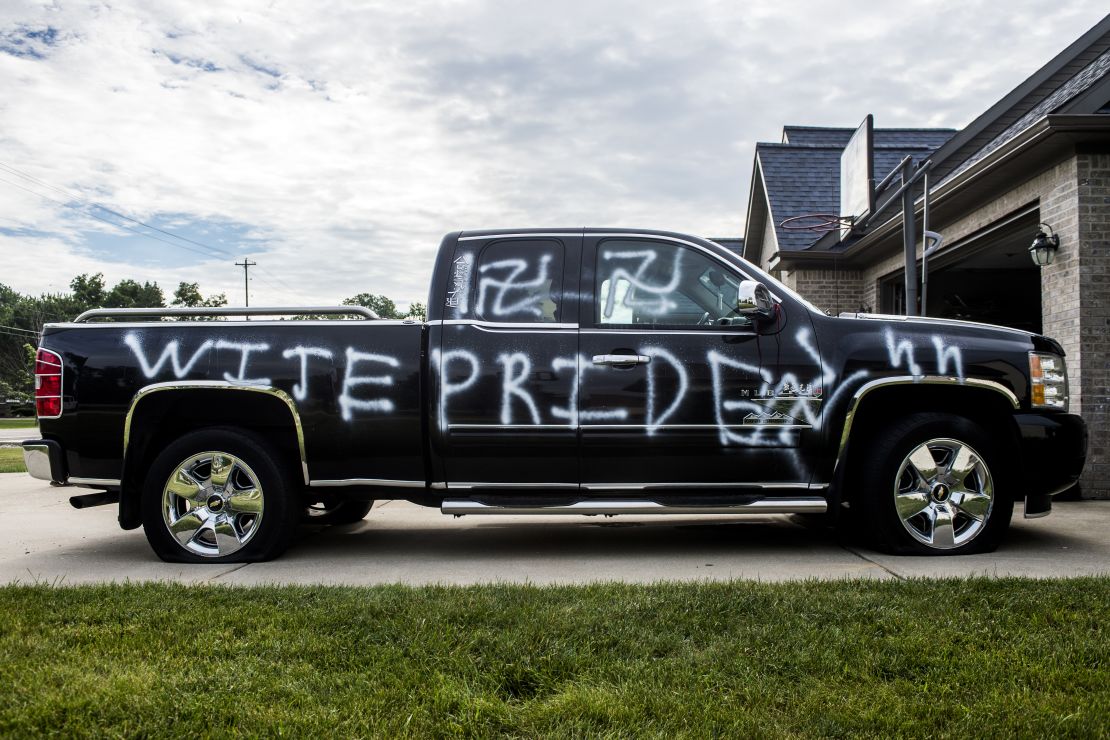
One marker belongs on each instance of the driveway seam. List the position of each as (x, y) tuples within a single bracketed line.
[(228, 572), (861, 556)]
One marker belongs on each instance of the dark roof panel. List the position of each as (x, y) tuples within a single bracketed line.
[(929, 138)]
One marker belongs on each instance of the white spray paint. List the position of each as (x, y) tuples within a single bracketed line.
[(244, 349), (459, 294), (442, 361), (169, 354), (512, 269), (654, 421), (899, 350), (571, 412), (946, 354), (512, 382), (300, 390), (659, 303), (347, 401)]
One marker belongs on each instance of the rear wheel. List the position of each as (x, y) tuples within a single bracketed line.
[(935, 485), (334, 511), (219, 496)]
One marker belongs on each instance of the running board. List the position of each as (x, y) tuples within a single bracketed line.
[(802, 505)]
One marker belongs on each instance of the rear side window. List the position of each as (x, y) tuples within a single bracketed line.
[(519, 281)]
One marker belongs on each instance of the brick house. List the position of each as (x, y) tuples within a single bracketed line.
[(1041, 154)]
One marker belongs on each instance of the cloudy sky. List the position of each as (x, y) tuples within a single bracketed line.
[(335, 143)]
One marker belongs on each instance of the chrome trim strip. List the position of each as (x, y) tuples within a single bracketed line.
[(692, 332), (480, 324), (866, 388), (802, 505), (438, 486), (511, 427), (176, 385), (36, 458), (385, 482), (707, 427), (97, 313), (451, 486), (93, 482), (220, 325), (562, 235), (707, 486), (664, 427)]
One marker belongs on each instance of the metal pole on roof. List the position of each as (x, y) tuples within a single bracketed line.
[(909, 240)]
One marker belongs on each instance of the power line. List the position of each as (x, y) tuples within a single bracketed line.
[(94, 204), (107, 221), (16, 328)]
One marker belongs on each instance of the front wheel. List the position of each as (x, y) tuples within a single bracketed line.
[(936, 485), (219, 496)]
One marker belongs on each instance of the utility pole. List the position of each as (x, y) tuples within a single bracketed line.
[(246, 264)]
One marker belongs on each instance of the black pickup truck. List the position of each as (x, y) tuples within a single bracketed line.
[(564, 371)]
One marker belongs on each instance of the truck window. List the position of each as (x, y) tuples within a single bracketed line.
[(657, 284), (519, 281)]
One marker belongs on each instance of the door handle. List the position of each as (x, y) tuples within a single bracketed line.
[(621, 359)]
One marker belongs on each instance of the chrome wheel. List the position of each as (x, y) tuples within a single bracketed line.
[(212, 504), (943, 493)]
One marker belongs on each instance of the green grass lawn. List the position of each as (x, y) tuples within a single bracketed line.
[(956, 658), (11, 460), (20, 423)]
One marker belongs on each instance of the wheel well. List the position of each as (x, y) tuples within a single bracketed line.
[(160, 418), (989, 409)]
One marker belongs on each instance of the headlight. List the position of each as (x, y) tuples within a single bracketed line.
[(1048, 376)]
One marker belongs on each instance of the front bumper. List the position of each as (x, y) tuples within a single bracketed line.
[(1053, 451)]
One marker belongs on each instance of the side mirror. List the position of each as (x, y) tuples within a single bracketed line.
[(753, 301)]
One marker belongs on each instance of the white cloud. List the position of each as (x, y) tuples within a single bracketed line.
[(349, 140)]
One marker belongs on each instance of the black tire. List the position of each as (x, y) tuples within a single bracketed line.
[(335, 512), (249, 525), (955, 514)]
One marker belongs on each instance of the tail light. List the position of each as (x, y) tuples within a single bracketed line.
[(48, 384)]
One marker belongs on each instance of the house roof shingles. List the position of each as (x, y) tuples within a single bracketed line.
[(803, 175)]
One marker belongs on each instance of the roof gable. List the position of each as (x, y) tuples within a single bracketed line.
[(804, 178)]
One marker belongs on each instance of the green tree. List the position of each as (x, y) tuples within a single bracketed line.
[(417, 310), (379, 304), (88, 289), (131, 294), (188, 295)]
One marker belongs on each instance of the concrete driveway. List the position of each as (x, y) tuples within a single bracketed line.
[(15, 436), (48, 541)]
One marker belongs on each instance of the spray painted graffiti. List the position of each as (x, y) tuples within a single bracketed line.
[(530, 294), (751, 405), (903, 349), (300, 389), (637, 291), (347, 400)]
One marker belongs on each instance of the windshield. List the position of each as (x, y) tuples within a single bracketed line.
[(775, 285)]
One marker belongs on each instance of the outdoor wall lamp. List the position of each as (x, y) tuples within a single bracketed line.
[(1043, 249)]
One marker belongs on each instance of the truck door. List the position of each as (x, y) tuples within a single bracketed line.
[(673, 397), (505, 369)]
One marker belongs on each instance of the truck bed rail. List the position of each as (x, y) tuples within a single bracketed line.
[(364, 313)]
